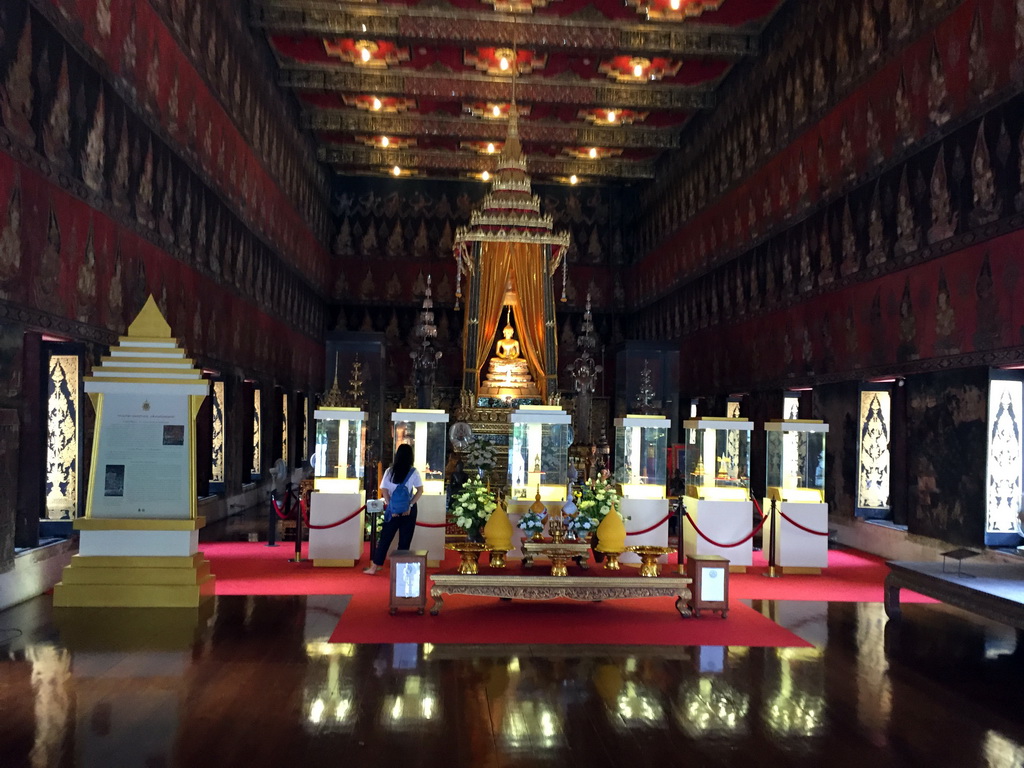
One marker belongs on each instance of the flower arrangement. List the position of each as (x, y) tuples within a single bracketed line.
[(472, 506), (581, 525), (532, 523), (596, 501)]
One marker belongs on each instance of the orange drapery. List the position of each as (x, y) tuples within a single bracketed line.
[(499, 261)]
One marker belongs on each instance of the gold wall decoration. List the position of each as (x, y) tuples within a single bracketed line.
[(62, 454), (284, 428), (257, 418), (217, 454), (873, 456), (1003, 494), (304, 414)]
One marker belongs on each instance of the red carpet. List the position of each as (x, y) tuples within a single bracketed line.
[(851, 577), (486, 621), (244, 568)]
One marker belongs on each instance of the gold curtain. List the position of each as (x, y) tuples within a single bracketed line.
[(530, 272), (495, 263), (526, 262)]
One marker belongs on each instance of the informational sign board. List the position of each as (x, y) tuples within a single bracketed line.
[(142, 457)]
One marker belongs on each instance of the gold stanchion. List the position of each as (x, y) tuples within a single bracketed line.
[(772, 573)]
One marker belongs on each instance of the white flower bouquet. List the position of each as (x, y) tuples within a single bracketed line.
[(532, 523), (472, 506), (596, 501)]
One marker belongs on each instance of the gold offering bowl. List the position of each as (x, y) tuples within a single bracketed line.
[(469, 551), (649, 555)]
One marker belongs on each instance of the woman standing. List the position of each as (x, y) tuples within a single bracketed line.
[(402, 520)]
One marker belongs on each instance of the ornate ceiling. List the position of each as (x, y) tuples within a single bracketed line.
[(603, 88)]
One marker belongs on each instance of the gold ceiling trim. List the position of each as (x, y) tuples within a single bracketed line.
[(466, 86), (534, 131), (458, 162), (462, 27)]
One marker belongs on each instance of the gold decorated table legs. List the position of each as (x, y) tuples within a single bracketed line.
[(611, 561), (649, 555), (497, 559)]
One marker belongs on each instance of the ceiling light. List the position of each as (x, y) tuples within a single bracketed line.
[(611, 115), (573, 179), (486, 176), (638, 70), (384, 141), (396, 171), (496, 111), (503, 64), (364, 54), (593, 153), (490, 148), (376, 103), (674, 4)]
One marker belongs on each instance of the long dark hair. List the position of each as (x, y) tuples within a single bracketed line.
[(402, 463)]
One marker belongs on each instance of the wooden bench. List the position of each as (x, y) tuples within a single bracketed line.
[(992, 590), (584, 588)]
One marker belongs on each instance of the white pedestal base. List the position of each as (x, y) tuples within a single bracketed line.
[(341, 546), (641, 514), (795, 548), (723, 521)]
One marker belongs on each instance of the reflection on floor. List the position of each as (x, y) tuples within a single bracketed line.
[(256, 683), (260, 685)]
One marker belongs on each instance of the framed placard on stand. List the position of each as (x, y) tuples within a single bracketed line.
[(408, 588), (710, 583)]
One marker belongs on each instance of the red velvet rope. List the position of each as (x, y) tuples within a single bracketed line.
[(658, 524), (791, 521), (431, 525), (305, 517), (714, 543), (277, 509)]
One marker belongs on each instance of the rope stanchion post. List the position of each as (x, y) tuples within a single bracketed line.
[(272, 522), (298, 529), (772, 573)]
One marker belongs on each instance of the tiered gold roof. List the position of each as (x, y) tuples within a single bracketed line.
[(510, 212)]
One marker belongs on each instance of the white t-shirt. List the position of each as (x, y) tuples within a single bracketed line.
[(412, 480)]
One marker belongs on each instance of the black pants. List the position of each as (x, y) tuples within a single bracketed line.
[(404, 526)]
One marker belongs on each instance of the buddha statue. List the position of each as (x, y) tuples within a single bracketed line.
[(507, 348), (508, 373)]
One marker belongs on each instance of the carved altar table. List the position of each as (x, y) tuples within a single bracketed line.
[(584, 588)]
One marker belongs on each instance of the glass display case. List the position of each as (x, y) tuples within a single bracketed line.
[(796, 460), (339, 451), (641, 456), (427, 432), (718, 458), (538, 456)]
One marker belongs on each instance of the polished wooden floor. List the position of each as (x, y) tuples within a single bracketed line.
[(257, 684)]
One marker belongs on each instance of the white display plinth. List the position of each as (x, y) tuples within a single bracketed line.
[(723, 521), (131, 543), (795, 548), (641, 514), (430, 510), (342, 545)]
